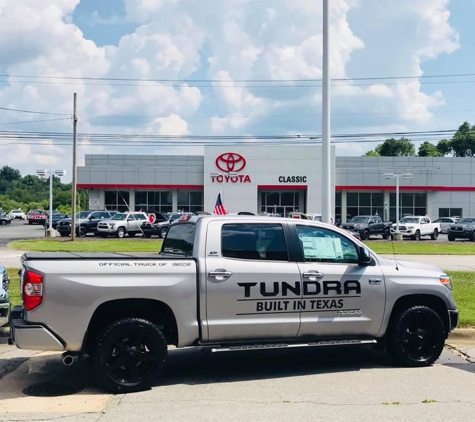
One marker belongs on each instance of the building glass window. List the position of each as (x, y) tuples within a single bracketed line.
[(153, 201), (450, 212), (338, 207), (281, 203), (117, 200), (364, 203), (190, 201), (409, 204)]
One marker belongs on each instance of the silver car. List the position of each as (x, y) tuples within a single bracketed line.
[(4, 303), (121, 224), (446, 222)]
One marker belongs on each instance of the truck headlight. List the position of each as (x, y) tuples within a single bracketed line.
[(446, 281), (112, 225), (410, 227)]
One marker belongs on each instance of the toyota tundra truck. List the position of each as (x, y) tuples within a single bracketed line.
[(230, 283)]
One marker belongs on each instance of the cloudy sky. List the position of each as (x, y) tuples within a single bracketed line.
[(103, 42)]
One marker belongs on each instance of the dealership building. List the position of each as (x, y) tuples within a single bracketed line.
[(279, 179)]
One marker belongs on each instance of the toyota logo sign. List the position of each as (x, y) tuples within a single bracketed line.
[(230, 162)]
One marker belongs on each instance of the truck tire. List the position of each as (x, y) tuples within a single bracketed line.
[(434, 235), (132, 234), (451, 238), (128, 354), (416, 337), (365, 235), (417, 235), (163, 232), (82, 231), (386, 234), (3, 223), (473, 236), (147, 235), (121, 232)]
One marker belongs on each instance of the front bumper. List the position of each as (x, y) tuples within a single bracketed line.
[(460, 235), (32, 336), (107, 230), (453, 319)]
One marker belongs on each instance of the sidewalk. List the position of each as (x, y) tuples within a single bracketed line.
[(10, 258)]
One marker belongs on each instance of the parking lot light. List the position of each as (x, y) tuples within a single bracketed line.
[(51, 174), (397, 176)]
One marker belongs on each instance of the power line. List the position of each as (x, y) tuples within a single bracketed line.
[(33, 112), (83, 78), (33, 121)]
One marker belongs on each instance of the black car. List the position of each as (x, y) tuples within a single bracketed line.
[(86, 222), (4, 219), (368, 225), (57, 217), (464, 229), (161, 225)]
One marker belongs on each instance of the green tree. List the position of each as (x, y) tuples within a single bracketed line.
[(371, 153), (444, 146), (428, 149), (7, 176), (463, 142), (396, 148)]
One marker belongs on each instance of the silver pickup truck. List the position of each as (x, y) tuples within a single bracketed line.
[(229, 283)]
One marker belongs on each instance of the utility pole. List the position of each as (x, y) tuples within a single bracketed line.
[(74, 190), (326, 146)]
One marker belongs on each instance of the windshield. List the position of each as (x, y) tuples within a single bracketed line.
[(359, 220), (409, 220), (82, 214), (119, 216), (466, 221)]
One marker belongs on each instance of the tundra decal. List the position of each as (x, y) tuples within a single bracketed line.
[(283, 297)]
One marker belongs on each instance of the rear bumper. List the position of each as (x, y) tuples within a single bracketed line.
[(32, 336), (4, 313), (453, 319)]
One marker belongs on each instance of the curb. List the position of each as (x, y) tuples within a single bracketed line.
[(467, 334)]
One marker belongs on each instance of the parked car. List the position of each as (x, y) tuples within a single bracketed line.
[(314, 217), (229, 284), (160, 228), (4, 301), (446, 222), (121, 224), (4, 219), (86, 222), (36, 217), (17, 215), (464, 229), (417, 226), (57, 217), (368, 225)]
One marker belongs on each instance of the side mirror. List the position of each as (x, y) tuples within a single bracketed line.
[(365, 257)]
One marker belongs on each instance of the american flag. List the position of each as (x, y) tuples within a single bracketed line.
[(219, 207)]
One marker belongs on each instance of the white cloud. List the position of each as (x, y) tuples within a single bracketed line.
[(229, 40)]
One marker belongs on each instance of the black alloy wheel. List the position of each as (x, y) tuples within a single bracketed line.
[(365, 235), (434, 235), (386, 234), (128, 354), (82, 231), (417, 235), (3, 222), (416, 337), (163, 232)]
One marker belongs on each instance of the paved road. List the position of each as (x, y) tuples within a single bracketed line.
[(341, 384), (20, 230)]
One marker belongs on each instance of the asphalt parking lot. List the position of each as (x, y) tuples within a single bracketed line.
[(337, 384), (20, 230)]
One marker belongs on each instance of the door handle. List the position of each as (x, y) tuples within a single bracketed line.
[(220, 274), (313, 275)]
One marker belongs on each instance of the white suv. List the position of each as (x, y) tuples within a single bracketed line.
[(121, 224), (17, 215)]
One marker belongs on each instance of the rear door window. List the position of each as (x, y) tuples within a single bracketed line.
[(254, 242), (179, 240)]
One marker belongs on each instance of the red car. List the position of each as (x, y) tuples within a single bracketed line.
[(36, 217)]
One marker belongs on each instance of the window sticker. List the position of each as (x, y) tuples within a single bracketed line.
[(322, 248)]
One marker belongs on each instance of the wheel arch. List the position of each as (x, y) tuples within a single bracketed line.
[(431, 301), (153, 310)]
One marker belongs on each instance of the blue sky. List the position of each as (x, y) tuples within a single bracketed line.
[(232, 40)]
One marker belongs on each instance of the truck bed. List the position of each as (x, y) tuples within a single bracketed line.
[(67, 256)]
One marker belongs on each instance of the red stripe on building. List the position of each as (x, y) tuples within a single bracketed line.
[(283, 187), (421, 188), (136, 186)]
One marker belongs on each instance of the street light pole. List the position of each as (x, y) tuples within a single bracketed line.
[(50, 226), (397, 202), (326, 147)]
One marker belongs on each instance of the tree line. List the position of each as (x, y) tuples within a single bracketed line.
[(32, 192), (462, 144)]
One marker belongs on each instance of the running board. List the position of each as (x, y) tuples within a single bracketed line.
[(322, 343)]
